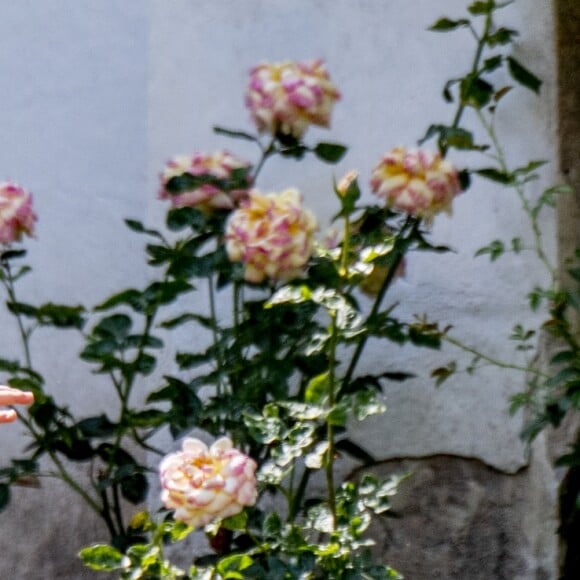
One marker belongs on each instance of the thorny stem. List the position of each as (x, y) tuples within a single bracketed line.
[(214, 330), (329, 467), (481, 41)]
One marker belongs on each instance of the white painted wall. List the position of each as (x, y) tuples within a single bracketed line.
[(390, 71), (98, 95)]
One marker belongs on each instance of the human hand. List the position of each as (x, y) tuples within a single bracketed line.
[(10, 396)]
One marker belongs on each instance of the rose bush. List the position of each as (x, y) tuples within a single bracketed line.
[(278, 380)]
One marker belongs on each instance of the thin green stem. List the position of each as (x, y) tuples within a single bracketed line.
[(537, 232), (117, 508), (215, 335), (106, 515), (125, 393), (297, 498), (24, 335), (266, 153), (481, 41), (398, 254), (329, 464), (492, 360), (66, 477)]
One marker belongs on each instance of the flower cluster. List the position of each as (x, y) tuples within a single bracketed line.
[(287, 97), (272, 234), (202, 484), (16, 214), (418, 182), (213, 190)]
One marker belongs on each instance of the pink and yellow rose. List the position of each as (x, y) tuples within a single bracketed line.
[(206, 196), (286, 97), (17, 216), (202, 484), (272, 234), (415, 181)]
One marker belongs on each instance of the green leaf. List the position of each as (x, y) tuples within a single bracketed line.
[(516, 245), (272, 525), (145, 364), (231, 567), (447, 90), (205, 321), (116, 326), (445, 24), (61, 316), (366, 403), (317, 388), (97, 350), (236, 523), (179, 531), (481, 7), (492, 63), (20, 308), (495, 175), (501, 36), (99, 426), (148, 418), (441, 374), (455, 137), (11, 366), (131, 297), (50, 314), (523, 76), (531, 166), (495, 250), (12, 255), (565, 356), (330, 152), (180, 218), (187, 360), (138, 227), (134, 488), (104, 558), (475, 92)]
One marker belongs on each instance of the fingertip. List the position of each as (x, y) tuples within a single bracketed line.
[(8, 416)]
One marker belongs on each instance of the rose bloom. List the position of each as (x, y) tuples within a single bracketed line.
[(288, 96), (418, 182), (16, 214), (272, 234), (207, 196), (202, 484)]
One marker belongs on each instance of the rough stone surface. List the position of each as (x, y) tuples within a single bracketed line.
[(460, 519)]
